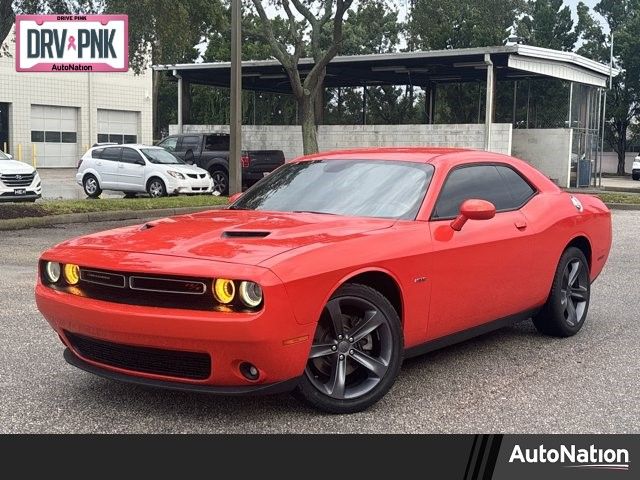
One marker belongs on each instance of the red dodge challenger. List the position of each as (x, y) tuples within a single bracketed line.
[(323, 276)]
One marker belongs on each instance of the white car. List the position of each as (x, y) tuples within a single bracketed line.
[(19, 182), (137, 169), (635, 170)]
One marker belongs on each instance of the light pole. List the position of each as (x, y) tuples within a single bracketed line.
[(235, 127)]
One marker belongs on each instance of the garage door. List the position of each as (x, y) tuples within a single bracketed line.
[(54, 132), (117, 126)]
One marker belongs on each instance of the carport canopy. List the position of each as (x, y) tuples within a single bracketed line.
[(422, 68)]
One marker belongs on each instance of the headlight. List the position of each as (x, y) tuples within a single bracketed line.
[(224, 290), (52, 271), (175, 174), (71, 274), (250, 294)]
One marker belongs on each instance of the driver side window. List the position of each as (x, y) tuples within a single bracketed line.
[(483, 182)]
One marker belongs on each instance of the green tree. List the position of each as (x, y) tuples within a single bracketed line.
[(623, 100), (306, 90), (165, 32), (548, 24), (440, 24)]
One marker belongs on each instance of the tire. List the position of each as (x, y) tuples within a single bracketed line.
[(156, 188), (220, 181), (566, 309), (636, 176), (91, 186), (338, 355)]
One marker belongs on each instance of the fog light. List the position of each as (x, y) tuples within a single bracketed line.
[(72, 273), (52, 271), (224, 290), (249, 371)]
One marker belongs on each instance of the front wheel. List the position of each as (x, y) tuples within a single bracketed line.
[(356, 352), (156, 188), (636, 176), (566, 309)]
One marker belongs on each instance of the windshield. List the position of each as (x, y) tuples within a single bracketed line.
[(159, 155), (3, 156), (359, 188)]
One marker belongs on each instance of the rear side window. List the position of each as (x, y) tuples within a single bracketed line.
[(520, 190), (112, 153), (97, 153), (215, 143), (478, 181)]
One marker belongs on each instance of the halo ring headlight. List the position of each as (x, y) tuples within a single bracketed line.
[(71, 274), (52, 271), (224, 290), (250, 294)]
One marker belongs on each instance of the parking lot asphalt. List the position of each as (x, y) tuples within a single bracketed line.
[(510, 381)]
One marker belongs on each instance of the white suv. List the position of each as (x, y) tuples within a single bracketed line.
[(635, 170), (19, 182), (137, 169)]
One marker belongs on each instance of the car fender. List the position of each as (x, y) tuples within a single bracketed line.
[(215, 162), (92, 171)]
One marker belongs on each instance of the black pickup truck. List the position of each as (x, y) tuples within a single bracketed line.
[(211, 152)]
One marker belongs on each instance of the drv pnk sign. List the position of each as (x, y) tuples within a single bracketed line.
[(72, 43)]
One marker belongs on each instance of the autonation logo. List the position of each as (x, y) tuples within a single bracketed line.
[(574, 457)]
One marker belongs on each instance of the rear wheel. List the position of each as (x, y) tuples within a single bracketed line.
[(636, 176), (156, 188), (91, 186), (566, 309), (220, 182), (356, 352)]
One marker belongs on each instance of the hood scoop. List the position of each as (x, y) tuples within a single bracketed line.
[(245, 234)]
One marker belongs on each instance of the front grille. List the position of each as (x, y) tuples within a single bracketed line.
[(17, 180), (186, 293), (170, 363), (196, 175)]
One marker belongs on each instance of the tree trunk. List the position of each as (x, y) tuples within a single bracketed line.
[(307, 120), (621, 162)]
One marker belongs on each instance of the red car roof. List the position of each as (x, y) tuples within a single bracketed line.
[(407, 154)]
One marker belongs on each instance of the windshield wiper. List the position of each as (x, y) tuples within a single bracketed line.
[(312, 211)]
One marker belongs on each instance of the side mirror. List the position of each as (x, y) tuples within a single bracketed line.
[(234, 197), (473, 209), (9, 156), (141, 162)]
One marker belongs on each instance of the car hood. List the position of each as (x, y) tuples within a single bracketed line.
[(235, 236), (13, 166), (184, 168)]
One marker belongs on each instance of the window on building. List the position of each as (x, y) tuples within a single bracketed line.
[(69, 137), (37, 136), (130, 139), (53, 137), (115, 138)]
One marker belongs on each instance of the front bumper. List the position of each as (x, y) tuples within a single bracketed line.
[(279, 387), (270, 339), (32, 192), (177, 186)]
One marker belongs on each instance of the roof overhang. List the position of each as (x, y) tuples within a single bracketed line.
[(408, 68)]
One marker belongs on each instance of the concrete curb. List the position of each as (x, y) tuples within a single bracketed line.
[(622, 206), (31, 222)]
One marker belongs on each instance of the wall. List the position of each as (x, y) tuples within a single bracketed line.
[(549, 150), (87, 92), (610, 162), (288, 138)]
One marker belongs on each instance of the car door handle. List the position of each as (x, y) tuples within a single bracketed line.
[(520, 224)]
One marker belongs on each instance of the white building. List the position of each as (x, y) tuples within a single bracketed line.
[(57, 116)]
